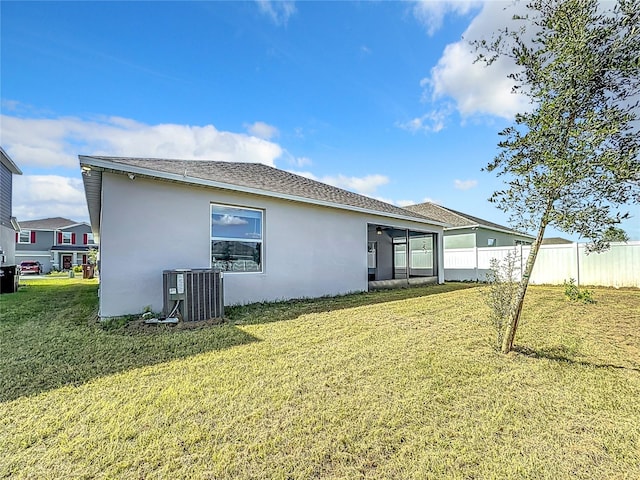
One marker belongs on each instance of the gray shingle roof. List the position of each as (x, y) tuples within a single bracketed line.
[(555, 241), (455, 218), (256, 176), (54, 223)]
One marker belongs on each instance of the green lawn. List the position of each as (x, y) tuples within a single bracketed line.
[(400, 384)]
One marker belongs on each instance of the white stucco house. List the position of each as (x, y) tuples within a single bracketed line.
[(276, 235)]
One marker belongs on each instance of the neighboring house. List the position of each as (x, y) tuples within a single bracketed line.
[(8, 224), (466, 231), (57, 243), (555, 241), (276, 235)]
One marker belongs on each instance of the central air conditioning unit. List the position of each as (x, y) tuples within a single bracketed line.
[(194, 295)]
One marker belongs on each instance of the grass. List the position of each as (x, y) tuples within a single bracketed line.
[(399, 384)]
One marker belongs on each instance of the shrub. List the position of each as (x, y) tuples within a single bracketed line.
[(500, 293), (573, 293), (77, 269)]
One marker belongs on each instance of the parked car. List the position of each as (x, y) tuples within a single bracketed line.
[(30, 266)]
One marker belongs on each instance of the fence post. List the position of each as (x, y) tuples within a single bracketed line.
[(520, 262), (476, 268), (577, 264)]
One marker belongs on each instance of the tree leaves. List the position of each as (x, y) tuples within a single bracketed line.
[(578, 148)]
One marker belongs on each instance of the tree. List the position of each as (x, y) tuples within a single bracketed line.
[(572, 160), (613, 234)]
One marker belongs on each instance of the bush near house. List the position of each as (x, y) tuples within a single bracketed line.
[(399, 384)]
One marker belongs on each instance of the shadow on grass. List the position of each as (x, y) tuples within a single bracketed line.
[(51, 338), (564, 354), (267, 312)]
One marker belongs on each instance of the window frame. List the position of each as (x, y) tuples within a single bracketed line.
[(64, 234), (29, 236), (259, 241)]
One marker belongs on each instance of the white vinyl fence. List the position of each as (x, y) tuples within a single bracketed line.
[(617, 267)]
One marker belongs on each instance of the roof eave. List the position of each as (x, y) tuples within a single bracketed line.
[(6, 161), (105, 165), (72, 225)]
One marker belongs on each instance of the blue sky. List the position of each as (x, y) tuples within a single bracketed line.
[(381, 98)]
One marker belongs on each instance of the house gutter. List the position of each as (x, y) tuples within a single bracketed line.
[(477, 225)]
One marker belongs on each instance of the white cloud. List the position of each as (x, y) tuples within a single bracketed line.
[(475, 88), (464, 184), (262, 130), (297, 162), (42, 196), (227, 219), (56, 142), (431, 13), (279, 11), (302, 161), (433, 121), (38, 142)]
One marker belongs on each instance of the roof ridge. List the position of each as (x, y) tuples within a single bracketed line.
[(466, 219)]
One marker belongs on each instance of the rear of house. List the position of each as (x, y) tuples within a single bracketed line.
[(275, 235)]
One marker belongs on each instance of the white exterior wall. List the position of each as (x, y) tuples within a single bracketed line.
[(8, 245), (617, 267), (148, 226)]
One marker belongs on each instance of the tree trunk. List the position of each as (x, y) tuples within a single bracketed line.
[(514, 316)]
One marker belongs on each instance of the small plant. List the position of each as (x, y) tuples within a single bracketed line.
[(92, 256), (500, 293), (573, 293), (77, 269)]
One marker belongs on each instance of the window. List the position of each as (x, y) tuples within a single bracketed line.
[(26, 236), (491, 242), (236, 239), (88, 239), (67, 238)]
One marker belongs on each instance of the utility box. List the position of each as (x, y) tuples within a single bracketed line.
[(194, 294), (88, 271), (9, 279)]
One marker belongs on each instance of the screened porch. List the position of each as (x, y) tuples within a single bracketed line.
[(398, 257)]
